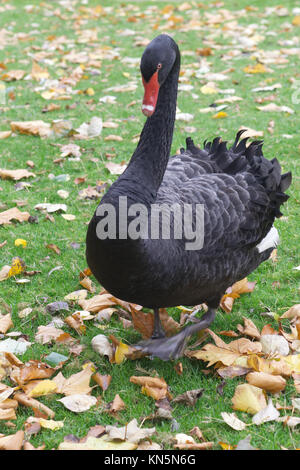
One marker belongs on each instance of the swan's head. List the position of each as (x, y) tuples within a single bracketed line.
[(156, 63)]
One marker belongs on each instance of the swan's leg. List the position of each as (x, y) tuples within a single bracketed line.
[(173, 347), (158, 331)]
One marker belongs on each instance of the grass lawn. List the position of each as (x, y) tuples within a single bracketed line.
[(92, 48)]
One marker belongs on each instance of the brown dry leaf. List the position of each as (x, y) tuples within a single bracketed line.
[(234, 292), (13, 214), (233, 421), (249, 328), (194, 446), (47, 333), (36, 128), (5, 321), (53, 247), (269, 366), (7, 413), (38, 73), (102, 380), (131, 432), (248, 398), (227, 303), (143, 322), (13, 75), (190, 397), (185, 442), (251, 132), (153, 387), (232, 371), (117, 404), (113, 137), (291, 313), (78, 402), (268, 382), (31, 370), (28, 446), (38, 407), (5, 134), (76, 383), (115, 168), (213, 354), (296, 378), (97, 303), (76, 295), (12, 442), (170, 326), (245, 346), (75, 321), (87, 283)]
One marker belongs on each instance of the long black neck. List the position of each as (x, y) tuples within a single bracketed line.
[(148, 163)]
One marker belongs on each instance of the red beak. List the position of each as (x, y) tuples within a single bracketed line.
[(150, 95)]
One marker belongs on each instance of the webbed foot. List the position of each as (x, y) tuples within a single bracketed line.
[(174, 346)]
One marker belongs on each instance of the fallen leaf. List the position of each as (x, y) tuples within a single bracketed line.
[(12, 441), (190, 397), (78, 383), (13, 214), (274, 345), (269, 413), (268, 382), (102, 346), (130, 433), (291, 313), (248, 398), (35, 128), (156, 388), (78, 403), (43, 387), (233, 421), (102, 380), (5, 323), (97, 443)]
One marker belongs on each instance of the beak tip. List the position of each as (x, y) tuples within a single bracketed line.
[(148, 109)]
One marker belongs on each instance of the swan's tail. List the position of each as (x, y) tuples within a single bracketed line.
[(242, 158)]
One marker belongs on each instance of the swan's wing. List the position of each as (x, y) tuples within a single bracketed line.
[(241, 199)]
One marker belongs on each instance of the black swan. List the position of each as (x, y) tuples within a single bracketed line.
[(239, 190)]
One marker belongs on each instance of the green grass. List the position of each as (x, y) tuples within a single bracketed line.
[(39, 24)]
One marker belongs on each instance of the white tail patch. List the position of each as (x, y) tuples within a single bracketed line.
[(271, 240)]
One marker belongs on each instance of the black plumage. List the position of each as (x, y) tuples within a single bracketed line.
[(241, 192)]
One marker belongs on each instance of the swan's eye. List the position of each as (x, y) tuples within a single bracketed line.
[(159, 66)]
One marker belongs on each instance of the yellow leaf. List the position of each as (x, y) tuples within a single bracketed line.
[(296, 20), (208, 90), (220, 115), (51, 424), (90, 91), (248, 398), (98, 443), (293, 362), (213, 354), (257, 68), (226, 446), (43, 388), (17, 267), (20, 242), (121, 351), (38, 73)]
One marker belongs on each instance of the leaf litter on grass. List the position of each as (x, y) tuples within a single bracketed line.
[(66, 71)]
